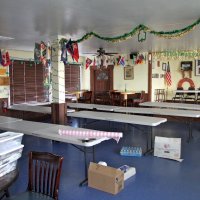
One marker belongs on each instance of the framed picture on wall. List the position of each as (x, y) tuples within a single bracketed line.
[(197, 67), (128, 73), (164, 66)]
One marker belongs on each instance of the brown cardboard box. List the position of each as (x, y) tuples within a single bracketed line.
[(107, 179)]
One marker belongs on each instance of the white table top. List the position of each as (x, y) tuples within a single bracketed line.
[(159, 111), (186, 106), (187, 91), (117, 117), (91, 106), (31, 108), (48, 131), (81, 106), (35, 108), (4, 119)]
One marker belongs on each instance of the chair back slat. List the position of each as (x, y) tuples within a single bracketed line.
[(45, 178), (44, 173), (36, 176)]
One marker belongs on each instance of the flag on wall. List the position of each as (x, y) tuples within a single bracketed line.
[(168, 77), (122, 61), (64, 54), (88, 62), (69, 47), (75, 51)]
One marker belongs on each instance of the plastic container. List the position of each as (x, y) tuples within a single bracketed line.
[(5, 169), (9, 154), (128, 171), (131, 151), (10, 138)]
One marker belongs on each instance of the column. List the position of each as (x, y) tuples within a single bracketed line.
[(58, 109)]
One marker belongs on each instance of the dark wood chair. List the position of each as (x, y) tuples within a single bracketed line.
[(44, 177), (116, 98), (178, 96), (86, 98), (102, 98), (136, 99)]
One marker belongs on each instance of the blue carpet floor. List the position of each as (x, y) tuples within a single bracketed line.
[(156, 178)]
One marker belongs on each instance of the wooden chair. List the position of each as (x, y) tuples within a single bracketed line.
[(137, 98), (44, 177), (86, 98), (178, 96), (115, 98)]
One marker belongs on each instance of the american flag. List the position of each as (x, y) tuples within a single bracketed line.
[(168, 77)]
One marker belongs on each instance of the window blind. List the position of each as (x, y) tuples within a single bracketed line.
[(26, 82), (72, 77)]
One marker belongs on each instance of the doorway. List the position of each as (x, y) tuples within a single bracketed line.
[(101, 82)]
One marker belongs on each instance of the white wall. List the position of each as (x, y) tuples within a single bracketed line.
[(176, 76), (140, 81)]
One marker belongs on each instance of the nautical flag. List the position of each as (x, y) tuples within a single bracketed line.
[(122, 61), (94, 62), (0, 57), (168, 77), (69, 47), (75, 51), (88, 62), (37, 52), (64, 54)]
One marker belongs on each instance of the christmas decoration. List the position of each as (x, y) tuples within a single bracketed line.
[(177, 55), (138, 30)]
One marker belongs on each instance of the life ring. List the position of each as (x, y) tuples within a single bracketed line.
[(190, 81)]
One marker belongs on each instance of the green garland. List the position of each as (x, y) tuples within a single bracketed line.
[(164, 34)]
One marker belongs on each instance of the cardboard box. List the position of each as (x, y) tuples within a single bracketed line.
[(107, 179)]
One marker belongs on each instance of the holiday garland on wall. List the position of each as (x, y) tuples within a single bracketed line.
[(141, 30)]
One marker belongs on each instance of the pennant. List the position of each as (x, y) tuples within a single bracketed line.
[(37, 52), (5, 59), (75, 51), (88, 62), (122, 61), (69, 47), (48, 54), (118, 59), (43, 53), (94, 62), (0, 56), (64, 54)]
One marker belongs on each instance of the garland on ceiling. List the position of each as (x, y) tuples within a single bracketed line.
[(141, 30)]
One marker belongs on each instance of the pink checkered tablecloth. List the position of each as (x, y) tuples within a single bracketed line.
[(91, 134)]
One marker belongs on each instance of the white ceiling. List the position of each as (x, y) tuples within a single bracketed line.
[(30, 21)]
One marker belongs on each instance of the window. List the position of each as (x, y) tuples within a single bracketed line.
[(72, 77), (27, 82)]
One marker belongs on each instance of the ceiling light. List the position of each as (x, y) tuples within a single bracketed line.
[(5, 38)]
